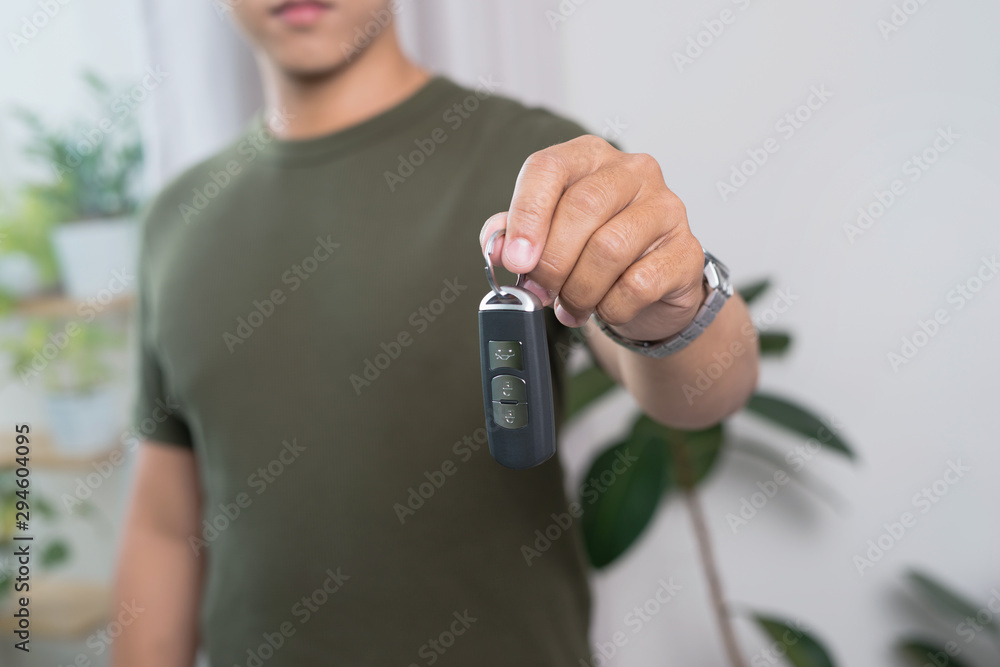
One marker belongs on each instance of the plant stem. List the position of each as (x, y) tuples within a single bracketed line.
[(707, 555)]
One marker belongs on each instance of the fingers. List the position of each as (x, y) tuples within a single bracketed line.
[(543, 179), (584, 226), (671, 273), (607, 253), (597, 229)]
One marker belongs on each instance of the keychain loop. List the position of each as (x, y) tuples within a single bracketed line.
[(490, 277)]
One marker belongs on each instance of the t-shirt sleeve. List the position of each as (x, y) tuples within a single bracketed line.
[(155, 412)]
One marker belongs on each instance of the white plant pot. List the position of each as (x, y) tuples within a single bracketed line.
[(83, 423), (96, 256), (19, 275)]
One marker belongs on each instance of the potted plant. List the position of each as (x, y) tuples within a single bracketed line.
[(80, 397), (27, 263), (94, 196), (672, 463)]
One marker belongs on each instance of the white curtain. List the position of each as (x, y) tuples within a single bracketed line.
[(212, 85)]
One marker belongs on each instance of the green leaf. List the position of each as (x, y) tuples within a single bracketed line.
[(802, 649), (943, 598), (774, 343), (44, 508), (703, 447), (620, 494), (6, 586), (798, 419), (918, 652), (55, 552), (754, 290), (586, 387)]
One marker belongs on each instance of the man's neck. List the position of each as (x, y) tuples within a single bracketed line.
[(378, 79)]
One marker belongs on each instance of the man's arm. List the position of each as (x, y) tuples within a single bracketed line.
[(597, 230), (672, 390), (158, 571)]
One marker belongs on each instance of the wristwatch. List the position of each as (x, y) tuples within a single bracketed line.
[(720, 289)]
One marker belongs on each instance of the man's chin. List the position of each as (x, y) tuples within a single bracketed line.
[(310, 69)]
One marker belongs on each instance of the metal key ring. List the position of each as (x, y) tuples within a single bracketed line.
[(487, 251)]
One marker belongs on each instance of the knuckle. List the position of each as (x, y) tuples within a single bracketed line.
[(642, 284), (645, 163), (609, 243), (587, 199), (611, 312), (672, 202), (545, 161), (593, 142)]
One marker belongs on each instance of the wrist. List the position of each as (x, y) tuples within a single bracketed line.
[(719, 289), (654, 331)]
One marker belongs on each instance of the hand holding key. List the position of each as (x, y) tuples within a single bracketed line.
[(597, 230)]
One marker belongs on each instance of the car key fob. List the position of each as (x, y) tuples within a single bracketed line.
[(517, 377)]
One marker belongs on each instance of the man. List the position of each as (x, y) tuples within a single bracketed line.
[(317, 489)]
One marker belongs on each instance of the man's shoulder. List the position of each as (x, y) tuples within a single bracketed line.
[(186, 194), (511, 120)]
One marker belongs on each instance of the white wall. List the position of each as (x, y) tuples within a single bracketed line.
[(855, 300)]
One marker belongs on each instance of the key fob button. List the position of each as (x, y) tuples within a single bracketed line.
[(509, 388), (505, 354), (510, 416)]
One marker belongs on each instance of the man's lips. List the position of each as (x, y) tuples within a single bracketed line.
[(300, 12)]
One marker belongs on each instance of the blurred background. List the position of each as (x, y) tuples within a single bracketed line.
[(848, 152)]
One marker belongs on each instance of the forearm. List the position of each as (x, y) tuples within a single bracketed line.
[(159, 573), (700, 385), (159, 577)]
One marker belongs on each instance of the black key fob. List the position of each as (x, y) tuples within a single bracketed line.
[(517, 378)]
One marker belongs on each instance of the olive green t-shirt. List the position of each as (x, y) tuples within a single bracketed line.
[(308, 325)]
